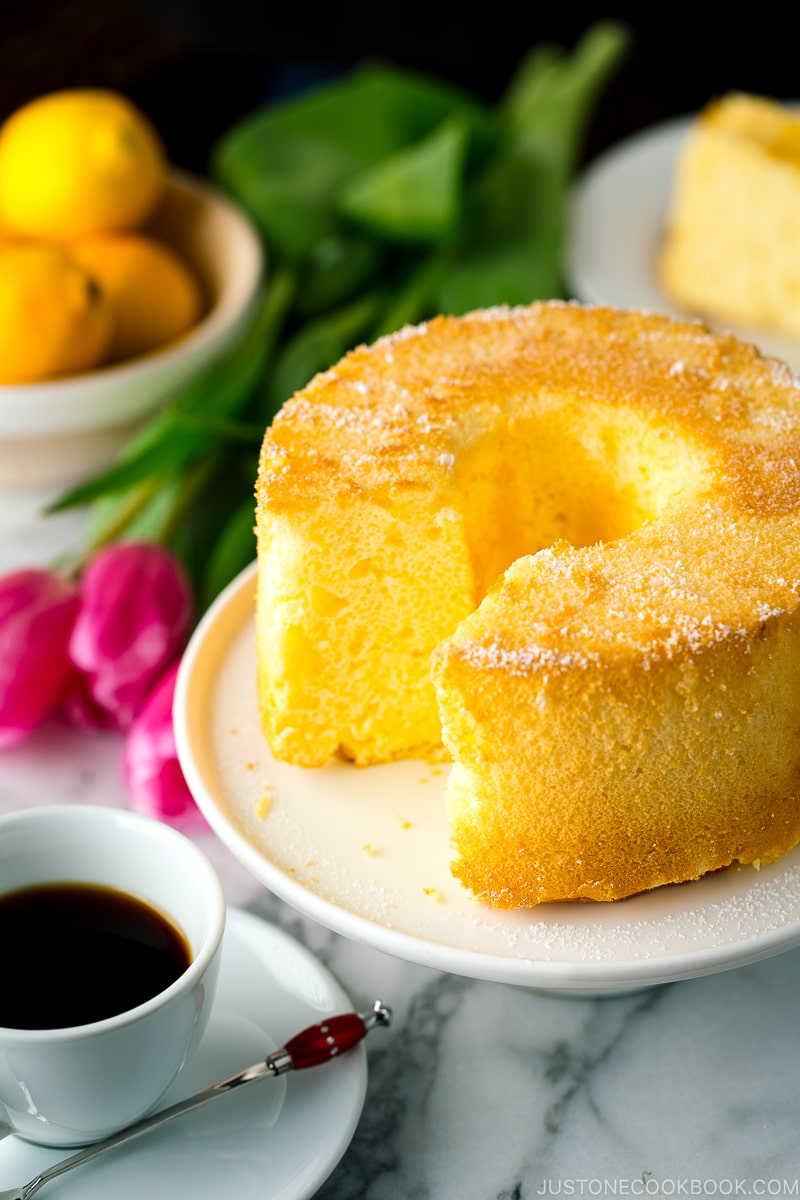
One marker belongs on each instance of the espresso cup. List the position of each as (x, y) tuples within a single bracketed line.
[(140, 888)]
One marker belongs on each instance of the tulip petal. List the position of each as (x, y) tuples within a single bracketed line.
[(80, 708), (153, 774), (37, 613), (135, 615)]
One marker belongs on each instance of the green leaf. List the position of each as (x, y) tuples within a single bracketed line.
[(512, 250), (414, 196), (164, 452), (204, 498), (218, 427), (413, 297), (287, 162), (513, 253), (334, 270), (138, 514), (549, 101), (233, 549)]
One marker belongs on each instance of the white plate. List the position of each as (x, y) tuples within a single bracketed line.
[(619, 214), (274, 1139), (365, 852)]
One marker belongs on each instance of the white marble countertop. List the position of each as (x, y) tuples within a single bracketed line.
[(489, 1090), (483, 1090)]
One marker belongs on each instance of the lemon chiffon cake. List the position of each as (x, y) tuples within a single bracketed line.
[(566, 540), (732, 247)]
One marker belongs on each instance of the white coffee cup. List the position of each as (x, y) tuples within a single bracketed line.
[(69, 1086)]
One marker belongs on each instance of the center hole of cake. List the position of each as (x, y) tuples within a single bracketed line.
[(582, 473)]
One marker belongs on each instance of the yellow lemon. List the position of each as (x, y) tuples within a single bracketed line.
[(154, 295), (78, 161), (54, 319)]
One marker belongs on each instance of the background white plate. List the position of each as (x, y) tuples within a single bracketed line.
[(618, 219), (365, 852), (274, 1139)]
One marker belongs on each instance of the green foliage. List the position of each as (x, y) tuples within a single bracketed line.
[(415, 195), (381, 199), (289, 163)]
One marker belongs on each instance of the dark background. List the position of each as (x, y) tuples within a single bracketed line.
[(196, 65)]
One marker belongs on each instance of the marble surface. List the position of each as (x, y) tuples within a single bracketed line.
[(483, 1090), (488, 1090)]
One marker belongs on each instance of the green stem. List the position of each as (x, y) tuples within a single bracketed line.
[(74, 564)]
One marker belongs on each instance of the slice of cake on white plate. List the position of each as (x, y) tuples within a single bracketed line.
[(732, 244)]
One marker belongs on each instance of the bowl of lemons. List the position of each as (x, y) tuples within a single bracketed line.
[(121, 280)]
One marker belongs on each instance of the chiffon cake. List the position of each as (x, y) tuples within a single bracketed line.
[(563, 542)]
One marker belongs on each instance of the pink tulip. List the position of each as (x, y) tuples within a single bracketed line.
[(37, 612), (152, 772), (135, 613), (80, 708)]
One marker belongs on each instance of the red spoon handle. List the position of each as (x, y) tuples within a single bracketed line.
[(327, 1039)]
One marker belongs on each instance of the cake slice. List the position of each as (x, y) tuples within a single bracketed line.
[(732, 246)]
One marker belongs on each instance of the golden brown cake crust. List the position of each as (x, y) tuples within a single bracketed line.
[(381, 420), (623, 705)]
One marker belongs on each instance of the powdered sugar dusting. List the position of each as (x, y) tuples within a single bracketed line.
[(414, 394), (521, 660)]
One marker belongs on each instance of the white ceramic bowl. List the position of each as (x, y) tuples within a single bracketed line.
[(55, 433)]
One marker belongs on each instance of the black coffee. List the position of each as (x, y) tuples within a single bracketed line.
[(74, 953)]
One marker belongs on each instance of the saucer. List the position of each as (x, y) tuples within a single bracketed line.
[(276, 1139), (619, 212)]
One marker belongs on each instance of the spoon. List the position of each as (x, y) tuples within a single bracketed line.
[(315, 1045)]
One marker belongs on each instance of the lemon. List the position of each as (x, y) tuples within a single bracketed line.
[(155, 297), (76, 162), (54, 319)]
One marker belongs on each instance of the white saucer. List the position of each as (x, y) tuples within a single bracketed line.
[(365, 852), (619, 214), (273, 1140)]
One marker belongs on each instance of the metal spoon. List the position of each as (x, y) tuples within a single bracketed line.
[(315, 1045)]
